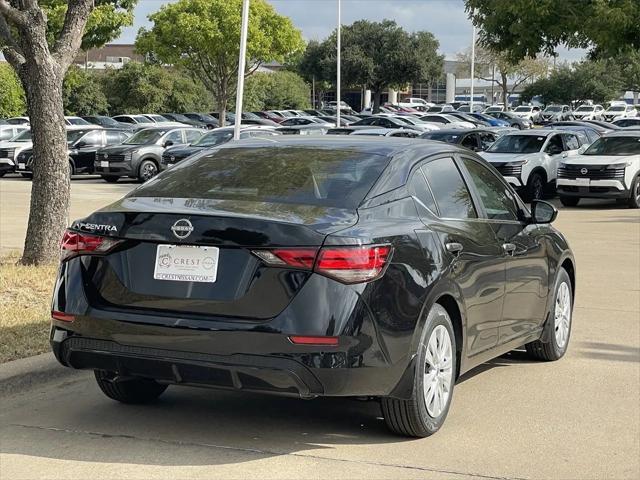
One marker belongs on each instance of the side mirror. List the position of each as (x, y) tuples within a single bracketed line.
[(543, 212), (168, 143)]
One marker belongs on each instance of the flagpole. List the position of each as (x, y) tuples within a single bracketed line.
[(242, 62), (473, 66), (338, 105)]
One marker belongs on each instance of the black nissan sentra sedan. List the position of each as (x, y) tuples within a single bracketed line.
[(328, 266)]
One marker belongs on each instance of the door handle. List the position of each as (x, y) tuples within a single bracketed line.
[(509, 248), (454, 248)]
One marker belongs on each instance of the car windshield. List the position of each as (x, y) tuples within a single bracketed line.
[(178, 117), (518, 144), (22, 137), (434, 109), (585, 108), (293, 175), (73, 135), (553, 109), (494, 109), (441, 136), (213, 138), (142, 119), (77, 121), (110, 122), (618, 146), (145, 137), (617, 108), (523, 109)]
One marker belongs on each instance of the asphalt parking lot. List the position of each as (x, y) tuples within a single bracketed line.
[(510, 418)]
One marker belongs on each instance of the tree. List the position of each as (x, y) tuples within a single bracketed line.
[(525, 28), (40, 52), (501, 70), (598, 81), (276, 91), (82, 93), (143, 88), (312, 66), (375, 55), (12, 100), (203, 37)]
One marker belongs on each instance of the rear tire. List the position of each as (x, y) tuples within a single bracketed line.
[(569, 201), (535, 187), (110, 178), (27, 175), (555, 338), (516, 125), (134, 390), (434, 378), (634, 199)]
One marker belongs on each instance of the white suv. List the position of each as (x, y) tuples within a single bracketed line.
[(528, 112), (529, 159), (589, 112), (617, 111), (609, 168)]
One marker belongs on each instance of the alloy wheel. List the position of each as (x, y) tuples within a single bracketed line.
[(438, 372), (149, 170), (562, 315)]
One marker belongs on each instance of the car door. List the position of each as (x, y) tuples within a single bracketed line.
[(554, 151), (571, 144), (85, 152), (524, 257), (474, 258), (471, 141)]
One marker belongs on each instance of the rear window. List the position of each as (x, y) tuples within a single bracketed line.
[(297, 175)]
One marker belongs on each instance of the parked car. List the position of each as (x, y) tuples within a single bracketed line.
[(308, 120), (416, 122), (477, 140), (8, 131), (18, 121), (386, 132), (270, 116), (529, 159), (586, 124), (78, 121), (107, 122), (586, 134), (83, 144), (442, 108), (184, 120), (603, 125), (512, 119), (352, 267), (618, 111), (530, 113), (173, 155), (310, 129), (495, 108), (465, 117), (415, 102), (209, 121), (10, 149), (627, 122), (491, 121), (589, 112), (477, 107), (555, 113), (138, 121), (609, 168), (446, 119), (383, 122), (140, 155)]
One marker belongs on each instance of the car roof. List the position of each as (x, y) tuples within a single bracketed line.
[(539, 132), (458, 131), (623, 133)]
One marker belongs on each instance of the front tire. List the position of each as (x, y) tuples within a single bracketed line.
[(147, 170), (555, 339), (424, 413), (569, 201), (634, 199), (130, 390), (110, 178), (535, 187)]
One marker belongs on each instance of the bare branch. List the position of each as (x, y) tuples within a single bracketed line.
[(70, 38), (11, 13)]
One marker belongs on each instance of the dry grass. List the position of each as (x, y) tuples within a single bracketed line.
[(25, 308)]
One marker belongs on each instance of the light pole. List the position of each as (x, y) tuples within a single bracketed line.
[(338, 105), (242, 62), (473, 65)]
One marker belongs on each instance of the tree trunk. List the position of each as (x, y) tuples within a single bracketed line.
[(505, 91), (376, 100), (49, 211)]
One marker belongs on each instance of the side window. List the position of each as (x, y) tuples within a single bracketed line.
[(113, 138), (6, 134), (496, 197), (451, 193), (420, 190), (470, 142), (124, 119), (175, 137), (592, 136), (555, 145), (92, 139), (486, 140), (368, 121), (572, 141), (193, 135)]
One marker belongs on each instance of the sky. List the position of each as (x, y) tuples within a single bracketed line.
[(446, 19)]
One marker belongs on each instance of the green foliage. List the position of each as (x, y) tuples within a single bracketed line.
[(525, 28), (203, 37), (276, 91), (600, 81), (12, 98), (144, 88), (375, 55), (105, 22), (82, 93)]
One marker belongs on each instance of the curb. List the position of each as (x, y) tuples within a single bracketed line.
[(23, 374)]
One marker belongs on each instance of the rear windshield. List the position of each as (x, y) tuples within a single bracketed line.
[(296, 175)]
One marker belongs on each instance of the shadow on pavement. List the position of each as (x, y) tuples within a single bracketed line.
[(609, 351)]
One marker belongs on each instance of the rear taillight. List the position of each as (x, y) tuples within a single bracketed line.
[(307, 340), (63, 317), (75, 243), (345, 264)]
